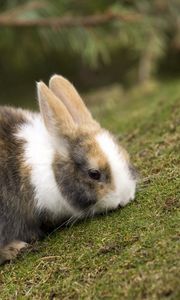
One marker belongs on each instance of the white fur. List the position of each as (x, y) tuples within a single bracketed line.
[(125, 185), (39, 155)]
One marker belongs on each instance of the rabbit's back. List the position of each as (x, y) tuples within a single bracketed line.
[(10, 149), (16, 192)]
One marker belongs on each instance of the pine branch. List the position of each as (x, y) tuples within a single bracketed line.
[(20, 9), (68, 22)]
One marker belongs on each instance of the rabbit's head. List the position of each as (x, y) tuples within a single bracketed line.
[(93, 172)]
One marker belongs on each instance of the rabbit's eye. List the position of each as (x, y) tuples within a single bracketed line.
[(94, 174)]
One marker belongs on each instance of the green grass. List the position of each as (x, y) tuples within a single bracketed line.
[(131, 253)]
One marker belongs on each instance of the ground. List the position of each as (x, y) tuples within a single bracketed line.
[(132, 253)]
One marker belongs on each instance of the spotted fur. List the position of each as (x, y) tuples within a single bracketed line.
[(44, 167)]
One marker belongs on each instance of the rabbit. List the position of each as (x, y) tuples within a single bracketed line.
[(56, 165)]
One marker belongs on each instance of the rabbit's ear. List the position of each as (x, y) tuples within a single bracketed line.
[(55, 115), (67, 93)]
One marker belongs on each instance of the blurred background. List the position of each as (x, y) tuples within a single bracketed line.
[(96, 44)]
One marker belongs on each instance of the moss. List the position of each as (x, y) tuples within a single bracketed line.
[(131, 253)]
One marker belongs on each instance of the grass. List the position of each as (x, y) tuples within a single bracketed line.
[(132, 253)]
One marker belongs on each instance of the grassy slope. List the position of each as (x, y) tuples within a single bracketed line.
[(129, 254)]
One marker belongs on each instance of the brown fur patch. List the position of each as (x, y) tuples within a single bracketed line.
[(98, 160), (94, 154)]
